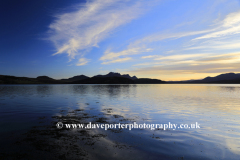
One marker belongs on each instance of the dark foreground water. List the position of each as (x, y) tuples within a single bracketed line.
[(29, 113)]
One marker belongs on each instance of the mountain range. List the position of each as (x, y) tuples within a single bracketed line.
[(112, 74), (115, 78), (226, 78), (110, 78)]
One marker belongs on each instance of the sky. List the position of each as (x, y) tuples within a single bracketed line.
[(163, 39)]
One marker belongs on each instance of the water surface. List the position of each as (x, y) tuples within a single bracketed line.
[(28, 114)]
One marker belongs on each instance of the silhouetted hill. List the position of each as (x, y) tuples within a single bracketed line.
[(232, 81), (148, 81), (105, 80), (222, 77), (75, 78), (5, 79), (112, 74), (127, 76), (226, 78), (47, 80)]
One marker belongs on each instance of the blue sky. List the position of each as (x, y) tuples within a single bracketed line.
[(164, 39)]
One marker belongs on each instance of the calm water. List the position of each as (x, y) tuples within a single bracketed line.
[(28, 116)]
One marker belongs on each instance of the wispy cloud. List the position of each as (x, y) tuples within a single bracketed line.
[(181, 57), (108, 55), (229, 58), (82, 62), (139, 46), (192, 69), (146, 64), (228, 44), (118, 60), (184, 64), (224, 38), (161, 36), (86, 27), (228, 27), (150, 56)]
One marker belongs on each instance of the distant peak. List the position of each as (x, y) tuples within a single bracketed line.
[(44, 78), (115, 74)]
